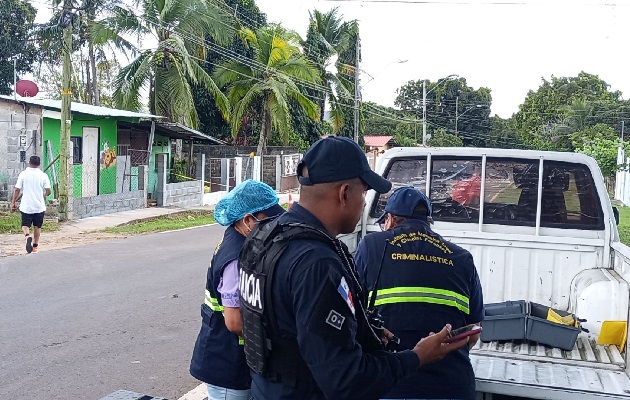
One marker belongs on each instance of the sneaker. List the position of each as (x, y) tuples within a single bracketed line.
[(34, 249), (29, 244)]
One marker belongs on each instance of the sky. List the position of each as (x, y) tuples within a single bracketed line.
[(505, 45), (508, 46)]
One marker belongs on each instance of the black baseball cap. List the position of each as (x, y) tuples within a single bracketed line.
[(336, 159)]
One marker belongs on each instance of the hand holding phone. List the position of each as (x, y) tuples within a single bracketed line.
[(463, 332)]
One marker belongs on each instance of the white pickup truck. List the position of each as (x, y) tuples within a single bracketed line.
[(541, 228)]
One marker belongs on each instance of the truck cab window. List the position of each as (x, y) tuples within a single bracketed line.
[(569, 197), (510, 192), (455, 189), (402, 172)]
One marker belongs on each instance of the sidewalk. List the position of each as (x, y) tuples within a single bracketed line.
[(119, 218), (75, 232)]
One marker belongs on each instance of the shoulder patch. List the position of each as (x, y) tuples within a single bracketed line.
[(346, 294), (335, 319), (331, 318)]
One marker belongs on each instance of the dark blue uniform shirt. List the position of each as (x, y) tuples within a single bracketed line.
[(425, 283), (315, 301)]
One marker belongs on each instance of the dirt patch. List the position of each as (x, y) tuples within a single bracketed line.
[(66, 236)]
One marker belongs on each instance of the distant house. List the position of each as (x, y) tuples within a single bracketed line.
[(108, 147), (378, 143)]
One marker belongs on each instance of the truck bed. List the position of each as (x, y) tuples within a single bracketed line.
[(520, 368)]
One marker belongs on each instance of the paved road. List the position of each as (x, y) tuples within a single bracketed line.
[(82, 322)]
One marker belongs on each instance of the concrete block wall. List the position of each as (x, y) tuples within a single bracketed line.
[(269, 171), (16, 120), (84, 207), (183, 194)]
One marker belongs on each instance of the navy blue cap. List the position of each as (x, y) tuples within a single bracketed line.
[(403, 202), (337, 159)]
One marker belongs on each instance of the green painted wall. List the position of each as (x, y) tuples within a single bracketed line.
[(108, 140), (160, 145)]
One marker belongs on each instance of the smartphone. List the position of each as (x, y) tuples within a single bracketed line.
[(463, 332)]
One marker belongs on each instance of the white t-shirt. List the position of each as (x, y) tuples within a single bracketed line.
[(32, 182)]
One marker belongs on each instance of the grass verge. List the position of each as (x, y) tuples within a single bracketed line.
[(185, 219), (624, 225), (12, 223)]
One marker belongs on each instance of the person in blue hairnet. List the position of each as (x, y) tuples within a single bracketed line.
[(424, 283), (218, 358)]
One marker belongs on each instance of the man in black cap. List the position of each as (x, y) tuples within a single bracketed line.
[(305, 329)]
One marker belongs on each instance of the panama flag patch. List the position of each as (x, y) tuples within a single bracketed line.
[(344, 291)]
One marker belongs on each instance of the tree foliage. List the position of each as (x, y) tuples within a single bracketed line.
[(565, 105), (16, 22), (451, 105), (171, 68), (266, 92), (441, 138), (600, 142), (329, 36), (211, 121), (503, 134)]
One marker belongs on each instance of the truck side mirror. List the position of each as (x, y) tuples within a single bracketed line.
[(616, 214)]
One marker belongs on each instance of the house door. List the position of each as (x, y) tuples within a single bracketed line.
[(90, 162)]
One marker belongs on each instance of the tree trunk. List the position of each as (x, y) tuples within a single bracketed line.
[(265, 131), (88, 82), (152, 96), (94, 94)]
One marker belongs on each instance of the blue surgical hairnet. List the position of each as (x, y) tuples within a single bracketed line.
[(248, 197)]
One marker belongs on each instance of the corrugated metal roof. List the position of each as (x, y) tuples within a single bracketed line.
[(80, 108), (377, 141)]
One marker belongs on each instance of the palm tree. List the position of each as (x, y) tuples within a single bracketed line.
[(181, 28), (328, 36), (266, 84), (100, 30), (577, 113)]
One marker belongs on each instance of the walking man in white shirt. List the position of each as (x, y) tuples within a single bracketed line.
[(35, 187)]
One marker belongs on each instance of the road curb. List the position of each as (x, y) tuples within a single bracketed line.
[(198, 393)]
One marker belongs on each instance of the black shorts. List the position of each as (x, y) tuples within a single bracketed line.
[(33, 219)]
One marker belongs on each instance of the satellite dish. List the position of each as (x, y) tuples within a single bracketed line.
[(26, 88)]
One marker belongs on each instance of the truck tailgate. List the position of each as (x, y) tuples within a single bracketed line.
[(538, 372)]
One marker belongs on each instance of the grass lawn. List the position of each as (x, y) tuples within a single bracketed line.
[(12, 223), (624, 225), (186, 219)]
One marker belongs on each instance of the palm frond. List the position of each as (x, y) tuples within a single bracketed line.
[(230, 71), (241, 108), (174, 94), (221, 101), (130, 79)]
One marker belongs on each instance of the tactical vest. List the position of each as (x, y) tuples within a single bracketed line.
[(218, 356), (270, 355)]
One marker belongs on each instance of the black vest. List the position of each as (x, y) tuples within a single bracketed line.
[(218, 357), (268, 354)]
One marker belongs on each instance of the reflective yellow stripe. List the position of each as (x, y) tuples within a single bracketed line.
[(422, 295), (213, 303)]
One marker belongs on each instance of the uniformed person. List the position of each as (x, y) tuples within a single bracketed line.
[(424, 283), (218, 358), (305, 329)]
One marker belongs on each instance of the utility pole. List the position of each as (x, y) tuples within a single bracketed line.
[(424, 112), (66, 97), (456, 110), (357, 90)]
